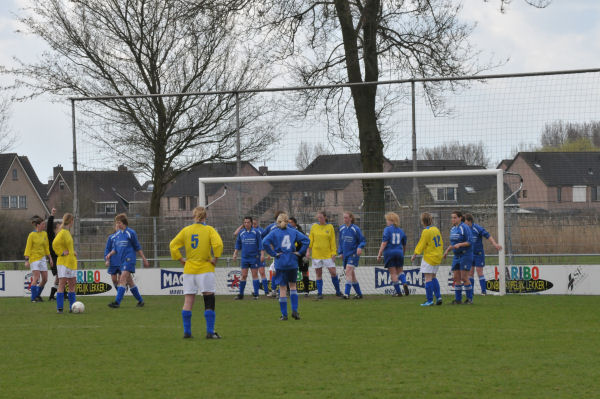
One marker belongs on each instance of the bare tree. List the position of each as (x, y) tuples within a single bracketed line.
[(472, 154), (122, 47), (535, 3), (7, 137), (570, 136), (307, 154), (341, 41)]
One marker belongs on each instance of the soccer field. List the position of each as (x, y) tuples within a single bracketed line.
[(512, 346)]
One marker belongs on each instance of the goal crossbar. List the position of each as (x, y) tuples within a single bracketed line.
[(499, 173)]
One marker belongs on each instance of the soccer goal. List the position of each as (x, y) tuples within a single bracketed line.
[(368, 196)]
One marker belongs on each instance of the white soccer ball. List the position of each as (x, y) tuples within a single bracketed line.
[(78, 307)]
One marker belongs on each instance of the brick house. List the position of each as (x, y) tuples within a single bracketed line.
[(22, 195), (558, 181)]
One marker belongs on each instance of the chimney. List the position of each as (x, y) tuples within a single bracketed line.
[(56, 170), (122, 168), (263, 170)]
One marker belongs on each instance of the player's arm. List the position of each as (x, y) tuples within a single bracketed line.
[(332, 243), (304, 240), (175, 247), (381, 248), (362, 241), (28, 249), (311, 241), (487, 235), (237, 231), (216, 244), (420, 246)]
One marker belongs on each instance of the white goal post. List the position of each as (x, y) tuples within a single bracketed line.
[(499, 173)]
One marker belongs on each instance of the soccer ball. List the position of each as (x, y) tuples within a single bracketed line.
[(78, 307)]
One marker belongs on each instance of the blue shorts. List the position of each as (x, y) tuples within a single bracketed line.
[(351, 260), (393, 261), (249, 263), (128, 268), (479, 259), (462, 262), (114, 270), (283, 277)]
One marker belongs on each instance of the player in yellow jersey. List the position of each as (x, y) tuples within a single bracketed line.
[(323, 250), (36, 251), (203, 247), (432, 247), (66, 263)]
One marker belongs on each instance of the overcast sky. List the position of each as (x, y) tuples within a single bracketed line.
[(566, 35)]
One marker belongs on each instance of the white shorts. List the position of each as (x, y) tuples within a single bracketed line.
[(198, 283), (65, 272), (272, 267), (321, 263), (427, 268), (39, 265)]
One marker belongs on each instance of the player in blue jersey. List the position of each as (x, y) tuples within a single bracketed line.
[(126, 246), (265, 232), (392, 248), (479, 232), (280, 243), (249, 243), (460, 243), (261, 261), (113, 264), (352, 242)]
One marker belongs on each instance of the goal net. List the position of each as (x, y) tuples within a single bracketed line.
[(368, 196)]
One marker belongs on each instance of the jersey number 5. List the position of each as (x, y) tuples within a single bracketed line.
[(194, 241)]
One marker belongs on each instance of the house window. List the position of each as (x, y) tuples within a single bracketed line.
[(5, 201), (14, 175), (306, 199), (14, 201), (193, 202), (106, 208), (182, 203), (22, 201), (579, 193), (319, 198), (61, 185), (558, 194), (446, 194), (335, 197), (524, 193), (595, 191)]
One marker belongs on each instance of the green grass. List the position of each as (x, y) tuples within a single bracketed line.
[(501, 347)]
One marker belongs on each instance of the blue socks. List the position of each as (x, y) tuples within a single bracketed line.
[(265, 285), (136, 294), (255, 285), (33, 292), (472, 280), (283, 305), (483, 284), (72, 299), (242, 287), (347, 289), (320, 287), (294, 298), (60, 300), (469, 291), (458, 292), (336, 284), (436, 288), (120, 293), (186, 315), (402, 278), (397, 287), (429, 291), (357, 288), (210, 317)]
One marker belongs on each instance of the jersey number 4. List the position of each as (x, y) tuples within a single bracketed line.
[(286, 243)]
